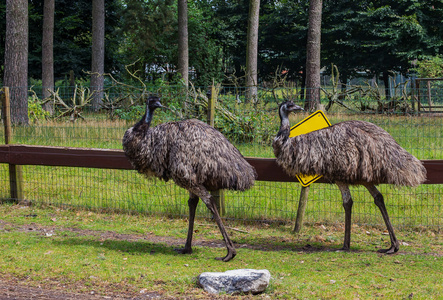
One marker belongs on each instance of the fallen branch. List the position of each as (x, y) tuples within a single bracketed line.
[(231, 228)]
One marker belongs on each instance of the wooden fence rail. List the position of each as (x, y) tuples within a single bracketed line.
[(267, 168)]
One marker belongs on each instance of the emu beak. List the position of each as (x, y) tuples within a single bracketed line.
[(294, 108)]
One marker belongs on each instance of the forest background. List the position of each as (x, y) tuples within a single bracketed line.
[(370, 37)]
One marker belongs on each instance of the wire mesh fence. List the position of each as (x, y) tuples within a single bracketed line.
[(250, 124)]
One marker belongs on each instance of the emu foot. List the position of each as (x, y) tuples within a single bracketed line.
[(391, 250), (228, 257), (183, 250)]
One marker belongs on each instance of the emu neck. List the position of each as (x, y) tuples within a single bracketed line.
[(284, 127), (146, 119)]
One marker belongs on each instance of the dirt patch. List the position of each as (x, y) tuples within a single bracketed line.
[(13, 289), (272, 244)]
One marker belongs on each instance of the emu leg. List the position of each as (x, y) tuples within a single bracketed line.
[(347, 205), (379, 201), (229, 245), (192, 203), (206, 197)]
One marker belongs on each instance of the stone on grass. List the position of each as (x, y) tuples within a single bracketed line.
[(235, 281)]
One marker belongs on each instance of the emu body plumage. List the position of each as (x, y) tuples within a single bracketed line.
[(190, 153), (352, 152), (348, 153), (195, 156)]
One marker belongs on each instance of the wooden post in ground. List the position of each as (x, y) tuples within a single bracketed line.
[(15, 171), (428, 84), (301, 208), (219, 196), (414, 94)]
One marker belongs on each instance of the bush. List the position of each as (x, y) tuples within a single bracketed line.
[(430, 68), (132, 113), (35, 110)]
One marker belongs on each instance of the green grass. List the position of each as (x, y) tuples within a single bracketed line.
[(79, 251)]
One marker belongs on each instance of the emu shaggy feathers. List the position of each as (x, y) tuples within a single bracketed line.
[(193, 154), (352, 152), (190, 153), (348, 153)]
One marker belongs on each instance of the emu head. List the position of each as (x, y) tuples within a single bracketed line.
[(153, 102), (287, 107)]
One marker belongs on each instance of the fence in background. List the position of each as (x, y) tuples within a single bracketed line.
[(48, 176), (428, 94)]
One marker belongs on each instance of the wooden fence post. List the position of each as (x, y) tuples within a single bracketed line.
[(219, 196), (15, 171), (428, 85), (301, 208)]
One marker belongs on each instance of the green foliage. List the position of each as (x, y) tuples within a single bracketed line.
[(245, 125), (370, 36), (283, 34), (430, 68), (145, 35), (35, 110), (356, 35), (241, 129), (72, 37), (130, 114), (379, 36)]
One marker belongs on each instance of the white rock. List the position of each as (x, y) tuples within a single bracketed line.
[(235, 281)]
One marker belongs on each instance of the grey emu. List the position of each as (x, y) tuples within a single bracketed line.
[(195, 156), (348, 153)]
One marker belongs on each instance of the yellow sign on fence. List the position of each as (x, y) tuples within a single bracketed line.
[(315, 121)]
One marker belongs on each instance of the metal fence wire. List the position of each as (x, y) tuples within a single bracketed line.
[(250, 124)]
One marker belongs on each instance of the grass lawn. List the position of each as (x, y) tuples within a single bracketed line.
[(120, 255)]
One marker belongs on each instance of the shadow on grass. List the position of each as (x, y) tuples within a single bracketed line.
[(146, 247), (130, 247)]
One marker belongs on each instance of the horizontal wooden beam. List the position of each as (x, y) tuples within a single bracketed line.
[(267, 168), (64, 156)]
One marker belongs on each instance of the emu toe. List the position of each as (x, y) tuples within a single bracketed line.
[(228, 257), (393, 249)]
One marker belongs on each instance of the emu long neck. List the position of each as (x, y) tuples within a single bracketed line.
[(147, 118), (284, 126)]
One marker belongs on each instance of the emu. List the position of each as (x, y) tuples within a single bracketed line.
[(348, 153), (195, 156)]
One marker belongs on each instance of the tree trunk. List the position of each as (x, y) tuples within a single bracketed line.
[(16, 59), (344, 84), (386, 83), (252, 51), (98, 52), (183, 52), (47, 52), (313, 56), (303, 84)]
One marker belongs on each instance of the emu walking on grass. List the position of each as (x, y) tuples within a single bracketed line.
[(348, 153), (195, 156)]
